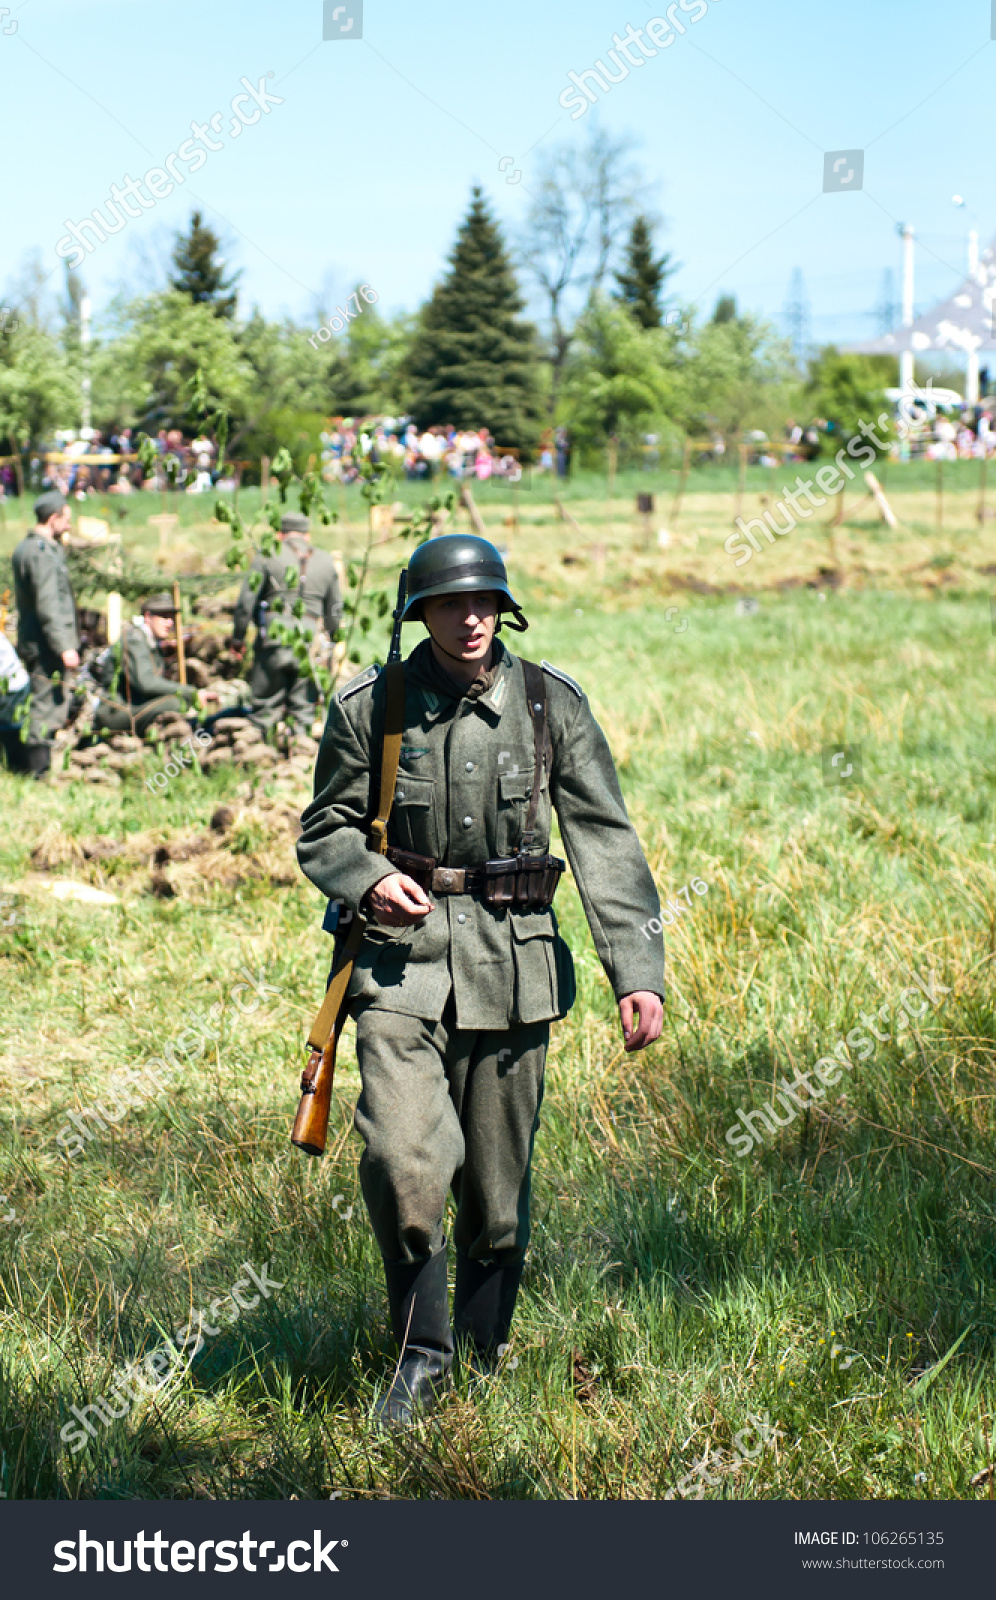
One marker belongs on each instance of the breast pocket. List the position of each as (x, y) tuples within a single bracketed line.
[(414, 815), (514, 790)]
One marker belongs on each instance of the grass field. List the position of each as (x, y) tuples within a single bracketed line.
[(839, 1279)]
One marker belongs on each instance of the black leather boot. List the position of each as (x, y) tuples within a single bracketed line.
[(38, 759), (484, 1302), (419, 1300)]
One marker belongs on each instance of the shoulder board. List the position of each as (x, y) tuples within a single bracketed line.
[(555, 672), (363, 680)]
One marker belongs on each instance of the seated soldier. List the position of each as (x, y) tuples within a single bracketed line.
[(135, 689)]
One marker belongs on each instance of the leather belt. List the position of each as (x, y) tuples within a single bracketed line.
[(510, 880)]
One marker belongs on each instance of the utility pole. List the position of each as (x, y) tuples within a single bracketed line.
[(905, 230), (86, 431), (971, 356)]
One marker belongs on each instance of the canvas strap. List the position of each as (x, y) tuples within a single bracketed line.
[(536, 701)]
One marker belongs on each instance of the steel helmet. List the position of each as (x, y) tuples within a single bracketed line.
[(456, 563)]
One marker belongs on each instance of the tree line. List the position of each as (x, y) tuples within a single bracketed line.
[(608, 356)]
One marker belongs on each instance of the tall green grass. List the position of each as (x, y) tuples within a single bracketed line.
[(672, 1289)]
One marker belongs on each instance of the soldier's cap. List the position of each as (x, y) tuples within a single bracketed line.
[(458, 563), (49, 504), (295, 522), (159, 605)]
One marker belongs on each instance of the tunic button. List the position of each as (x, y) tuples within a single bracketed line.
[(468, 822), (470, 766), (462, 917)]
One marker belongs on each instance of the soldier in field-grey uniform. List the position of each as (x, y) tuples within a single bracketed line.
[(278, 689), (462, 968), (48, 637)]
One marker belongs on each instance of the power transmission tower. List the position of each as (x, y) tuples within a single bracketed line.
[(796, 316), (886, 312)]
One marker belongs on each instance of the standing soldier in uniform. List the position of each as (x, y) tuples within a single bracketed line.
[(461, 968), (139, 690), (278, 690), (48, 638)]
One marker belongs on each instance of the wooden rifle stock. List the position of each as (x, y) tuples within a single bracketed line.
[(311, 1125)]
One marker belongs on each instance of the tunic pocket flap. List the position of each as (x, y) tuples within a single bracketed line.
[(515, 785), (532, 925), (412, 791)]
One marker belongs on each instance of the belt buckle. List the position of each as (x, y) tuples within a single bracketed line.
[(449, 880)]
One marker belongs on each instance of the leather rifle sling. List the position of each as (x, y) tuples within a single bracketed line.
[(536, 700), (333, 1012)]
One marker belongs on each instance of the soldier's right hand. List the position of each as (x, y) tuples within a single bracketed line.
[(70, 658), (397, 901)]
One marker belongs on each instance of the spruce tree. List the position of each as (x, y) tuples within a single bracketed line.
[(642, 278), (474, 361), (199, 273), (726, 309)]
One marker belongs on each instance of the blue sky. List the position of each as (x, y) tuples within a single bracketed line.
[(363, 172)]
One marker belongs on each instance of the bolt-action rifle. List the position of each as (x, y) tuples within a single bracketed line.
[(310, 1130)]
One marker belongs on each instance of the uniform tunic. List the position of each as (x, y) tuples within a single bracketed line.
[(144, 691), (276, 683), (453, 1015), (46, 629)]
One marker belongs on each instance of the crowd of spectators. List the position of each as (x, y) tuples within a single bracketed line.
[(941, 433), (88, 465), (436, 452)]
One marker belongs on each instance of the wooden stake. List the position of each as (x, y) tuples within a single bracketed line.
[(878, 495), (613, 454), (181, 660), (686, 461), (741, 482), (264, 478), (470, 506), (565, 516)]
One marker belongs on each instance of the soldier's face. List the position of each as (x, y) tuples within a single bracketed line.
[(161, 627), (61, 522), (462, 624)]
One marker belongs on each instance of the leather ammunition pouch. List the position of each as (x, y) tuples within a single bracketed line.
[(507, 881)]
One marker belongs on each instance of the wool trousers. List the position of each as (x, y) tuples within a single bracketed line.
[(444, 1109)]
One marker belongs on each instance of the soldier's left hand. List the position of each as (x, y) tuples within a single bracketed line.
[(651, 1019)]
